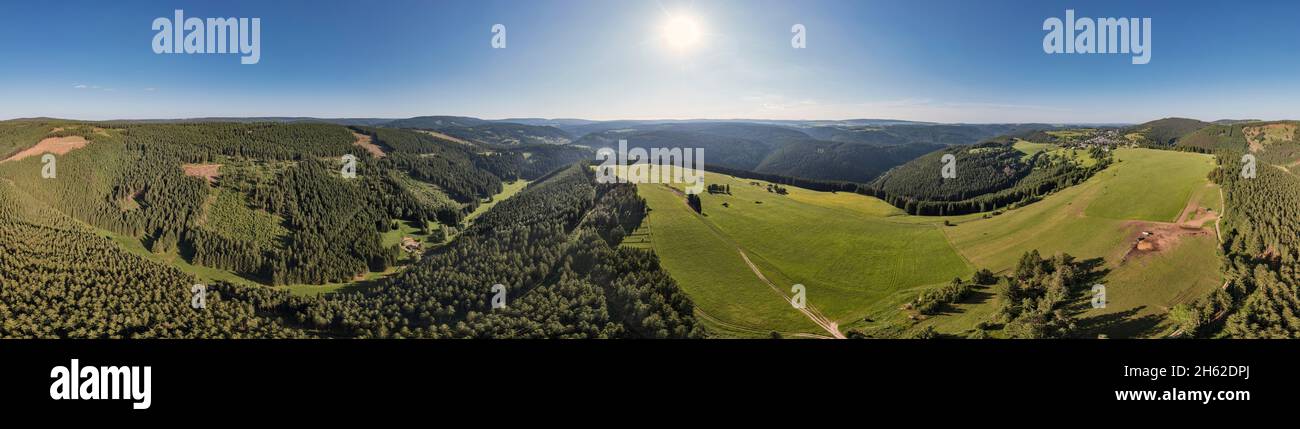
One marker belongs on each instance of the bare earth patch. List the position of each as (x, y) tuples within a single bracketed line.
[(446, 137), (1155, 237), (1152, 237), (209, 172), (54, 145), (368, 144)]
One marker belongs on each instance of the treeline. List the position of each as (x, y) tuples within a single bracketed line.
[(816, 185), (203, 142)]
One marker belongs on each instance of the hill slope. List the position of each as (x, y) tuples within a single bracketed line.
[(1164, 132), (863, 263)]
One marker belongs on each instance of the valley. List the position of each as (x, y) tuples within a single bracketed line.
[(441, 211)]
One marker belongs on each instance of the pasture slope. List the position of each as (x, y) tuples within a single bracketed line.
[(861, 259)]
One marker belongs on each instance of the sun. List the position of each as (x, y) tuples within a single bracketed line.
[(681, 32)]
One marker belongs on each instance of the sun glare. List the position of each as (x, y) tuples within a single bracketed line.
[(681, 32)]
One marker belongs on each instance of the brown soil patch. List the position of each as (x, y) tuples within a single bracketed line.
[(1154, 237), (1199, 217), (1194, 216), (365, 142), (54, 145), (209, 172)]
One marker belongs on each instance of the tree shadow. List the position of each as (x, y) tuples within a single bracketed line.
[(1124, 324), (979, 294)]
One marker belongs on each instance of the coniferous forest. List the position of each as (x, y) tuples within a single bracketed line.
[(282, 210)]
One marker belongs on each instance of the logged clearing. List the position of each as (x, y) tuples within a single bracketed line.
[(54, 145), (1260, 136), (447, 137), (367, 143), (1150, 216), (209, 172)]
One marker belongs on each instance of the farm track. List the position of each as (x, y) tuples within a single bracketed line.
[(737, 327)]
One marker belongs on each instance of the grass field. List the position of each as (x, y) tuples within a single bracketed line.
[(1030, 148), (1150, 185), (1101, 218), (862, 259), (508, 190)]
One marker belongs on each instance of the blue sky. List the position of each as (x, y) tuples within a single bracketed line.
[(947, 61)]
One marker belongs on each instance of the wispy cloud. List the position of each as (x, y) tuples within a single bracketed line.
[(96, 87), (777, 102)]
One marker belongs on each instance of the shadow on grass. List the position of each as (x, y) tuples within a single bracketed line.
[(1123, 324)]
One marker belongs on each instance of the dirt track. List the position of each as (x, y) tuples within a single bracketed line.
[(809, 310)]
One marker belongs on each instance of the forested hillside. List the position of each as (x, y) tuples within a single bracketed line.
[(989, 176), (486, 132), (58, 279), (1261, 237), (1164, 132), (554, 248), (193, 189)]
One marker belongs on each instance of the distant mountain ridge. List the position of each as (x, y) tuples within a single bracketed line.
[(767, 149)]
